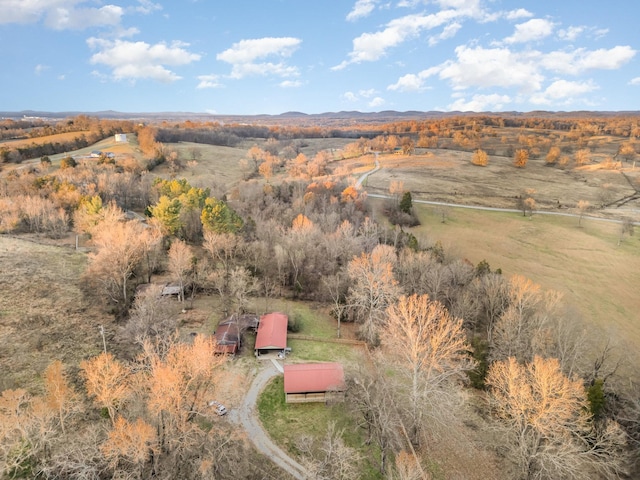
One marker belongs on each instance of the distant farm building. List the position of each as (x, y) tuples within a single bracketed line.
[(171, 291), (121, 138), (272, 333), (313, 382)]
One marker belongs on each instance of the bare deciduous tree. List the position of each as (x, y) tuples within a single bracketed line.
[(120, 249), (60, 396), (106, 381), (180, 263), (549, 434), (152, 315), (332, 458), (583, 207), (370, 396), (431, 349), (373, 289)]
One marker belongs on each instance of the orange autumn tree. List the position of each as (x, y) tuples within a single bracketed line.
[(106, 381)]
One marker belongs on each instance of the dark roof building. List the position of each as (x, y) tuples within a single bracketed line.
[(228, 339), (313, 382)]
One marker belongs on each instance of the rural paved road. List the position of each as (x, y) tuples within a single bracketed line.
[(247, 416)]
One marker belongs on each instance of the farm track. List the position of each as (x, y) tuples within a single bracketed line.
[(377, 168), (247, 417)]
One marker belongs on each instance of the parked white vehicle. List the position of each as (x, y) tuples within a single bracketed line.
[(220, 409)]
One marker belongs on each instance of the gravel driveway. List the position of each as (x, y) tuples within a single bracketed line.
[(247, 416)]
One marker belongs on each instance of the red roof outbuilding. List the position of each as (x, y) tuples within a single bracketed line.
[(272, 332), (313, 378)]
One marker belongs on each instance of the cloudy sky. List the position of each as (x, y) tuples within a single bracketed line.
[(314, 56)]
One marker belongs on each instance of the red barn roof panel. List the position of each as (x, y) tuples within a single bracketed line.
[(313, 377), (272, 331)]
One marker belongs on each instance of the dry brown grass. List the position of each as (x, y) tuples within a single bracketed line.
[(43, 313), (58, 137), (447, 175)]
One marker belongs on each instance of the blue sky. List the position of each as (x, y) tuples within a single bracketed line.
[(314, 56)]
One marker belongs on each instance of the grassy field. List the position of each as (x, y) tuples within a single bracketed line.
[(447, 175), (585, 263), (44, 316)]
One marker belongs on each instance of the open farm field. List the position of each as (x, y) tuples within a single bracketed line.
[(44, 315), (216, 164), (597, 277), (449, 176), (58, 137)]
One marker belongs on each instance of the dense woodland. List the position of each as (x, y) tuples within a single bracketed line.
[(444, 336)]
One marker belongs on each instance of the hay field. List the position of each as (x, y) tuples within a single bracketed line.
[(448, 175), (58, 137)]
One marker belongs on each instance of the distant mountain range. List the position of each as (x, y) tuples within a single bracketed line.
[(326, 118)]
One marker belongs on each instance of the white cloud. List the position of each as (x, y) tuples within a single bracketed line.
[(376, 102), (40, 68), (362, 8), (81, 18), (209, 81), (580, 60), (532, 30), (290, 84), (350, 97), (412, 82), (147, 6), (370, 47), (481, 103), (634, 81), (563, 91), (60, 14), (518, 14), (448, 32), (364, 94), (367, 93), (138, 60), (570, 34), (243, 55), (493, 67)]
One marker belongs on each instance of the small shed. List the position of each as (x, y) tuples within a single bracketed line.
[(313, 382), (272, 333), (171, 290), (121, 138)]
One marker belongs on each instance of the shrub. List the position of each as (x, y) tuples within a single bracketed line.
[(294, 324), (480, 158), (68, 162)]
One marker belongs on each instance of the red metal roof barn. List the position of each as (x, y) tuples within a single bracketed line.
[(272, 333), (313, 382)]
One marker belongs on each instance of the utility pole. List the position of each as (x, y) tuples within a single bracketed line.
[(104, 341)]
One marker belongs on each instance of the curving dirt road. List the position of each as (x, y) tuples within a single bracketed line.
[(247, 416)]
